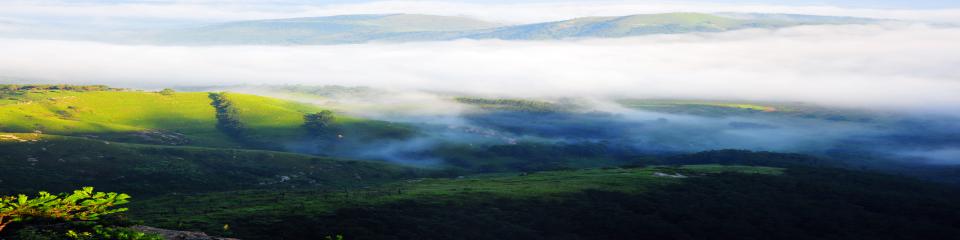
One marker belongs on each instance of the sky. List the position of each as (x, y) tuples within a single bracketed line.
[(842, 3), (519, 11)]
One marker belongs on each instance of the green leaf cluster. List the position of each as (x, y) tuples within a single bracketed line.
[(81, 205), (101, 232)]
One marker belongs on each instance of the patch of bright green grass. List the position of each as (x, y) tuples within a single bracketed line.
[(112, 112), (271, 117), (125, 115)]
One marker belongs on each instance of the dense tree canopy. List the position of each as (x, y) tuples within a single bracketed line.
[(318, 123)]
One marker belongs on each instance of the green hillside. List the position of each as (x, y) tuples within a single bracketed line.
[(197, 161), (111, 114), (320, 30), (166, 119), (151, 143)]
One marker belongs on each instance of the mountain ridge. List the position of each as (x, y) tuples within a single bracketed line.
[(351, 29)]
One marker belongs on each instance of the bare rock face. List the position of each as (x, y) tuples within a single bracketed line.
[(178, 235)]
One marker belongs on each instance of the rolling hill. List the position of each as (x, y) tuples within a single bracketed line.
[(324, 30), (606, 27), (58, 138), (185, 118), (412, 27), (174, 154)]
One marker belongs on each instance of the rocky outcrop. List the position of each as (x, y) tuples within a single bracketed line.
[(178, 235), (163, 137)]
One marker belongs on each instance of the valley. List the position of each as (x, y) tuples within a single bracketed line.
[(253, 162)]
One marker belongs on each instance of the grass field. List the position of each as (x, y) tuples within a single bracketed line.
[(176, 119), (110, 114)]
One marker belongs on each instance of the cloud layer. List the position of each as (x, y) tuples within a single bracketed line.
[(901, 66)]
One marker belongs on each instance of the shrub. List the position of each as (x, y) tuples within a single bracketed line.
[(318, 123), (167, 92)]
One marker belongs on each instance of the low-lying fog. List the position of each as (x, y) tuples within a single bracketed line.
[(905, 137), (903, 66)]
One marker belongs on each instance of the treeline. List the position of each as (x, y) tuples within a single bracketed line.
[(521, 105), (228, 122), (228, 117), (533, 157), (332, 91), (64, 87), (749, 158)]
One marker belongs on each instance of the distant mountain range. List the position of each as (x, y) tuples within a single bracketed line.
[(414, 27)]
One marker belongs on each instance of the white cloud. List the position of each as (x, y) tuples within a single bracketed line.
[(880, 66)]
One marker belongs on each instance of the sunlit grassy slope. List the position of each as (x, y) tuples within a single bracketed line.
[(111, 112), (272, 118), (34, 162), (209, 211), (176, 119)]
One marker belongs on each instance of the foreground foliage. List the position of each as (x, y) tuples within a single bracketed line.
[(77, 215)]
